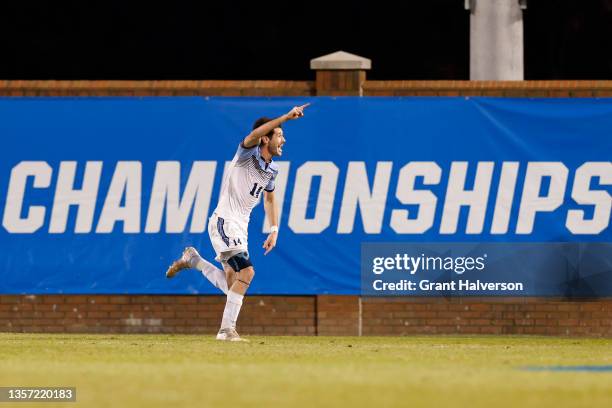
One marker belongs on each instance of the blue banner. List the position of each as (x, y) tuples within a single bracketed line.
[(100, 195)]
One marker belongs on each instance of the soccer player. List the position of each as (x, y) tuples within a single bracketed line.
[(251, 171)]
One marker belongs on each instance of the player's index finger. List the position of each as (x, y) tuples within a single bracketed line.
[(305, 105)]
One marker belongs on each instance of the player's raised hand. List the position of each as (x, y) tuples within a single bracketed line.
[(297, 111)]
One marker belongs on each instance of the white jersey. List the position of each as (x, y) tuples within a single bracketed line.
[(245, 178)]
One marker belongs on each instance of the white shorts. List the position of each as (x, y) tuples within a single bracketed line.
[(228, 237)]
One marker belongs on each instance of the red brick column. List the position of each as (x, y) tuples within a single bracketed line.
[(340, 73)]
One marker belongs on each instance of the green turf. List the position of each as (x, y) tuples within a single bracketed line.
[(177, 370)]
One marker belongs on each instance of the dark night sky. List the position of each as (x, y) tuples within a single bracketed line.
[(427, 39)]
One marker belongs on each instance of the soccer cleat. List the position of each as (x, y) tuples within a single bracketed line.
[(188, 260), (229, 334)]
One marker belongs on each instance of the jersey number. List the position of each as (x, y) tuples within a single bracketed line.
[(255, 190)]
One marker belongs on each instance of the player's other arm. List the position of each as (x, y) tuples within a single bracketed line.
[(272, 213), (254, 138)]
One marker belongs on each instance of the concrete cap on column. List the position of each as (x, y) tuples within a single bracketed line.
[(340, 60)]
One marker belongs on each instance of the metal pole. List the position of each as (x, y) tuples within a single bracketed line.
[(496, 39)]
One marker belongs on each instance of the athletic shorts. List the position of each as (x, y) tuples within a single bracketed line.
[(228, 237)]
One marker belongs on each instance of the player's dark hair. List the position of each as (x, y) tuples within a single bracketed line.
[(261, 121)]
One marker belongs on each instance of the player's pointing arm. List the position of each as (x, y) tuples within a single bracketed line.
[(254, 138)]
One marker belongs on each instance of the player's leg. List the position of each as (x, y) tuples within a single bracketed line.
[(230, 240), (191, 259), (243, 275), (230, 275), (215, 275)]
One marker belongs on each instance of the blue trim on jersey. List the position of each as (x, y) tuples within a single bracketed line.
[(225, 238)]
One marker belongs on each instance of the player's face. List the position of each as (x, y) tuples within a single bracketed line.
[(276, 142)]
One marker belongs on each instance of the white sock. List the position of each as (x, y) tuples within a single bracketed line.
[(232, 308), (215, 275)]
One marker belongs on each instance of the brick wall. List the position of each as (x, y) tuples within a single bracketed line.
[(157, 88), (550, 89), (307, 315), (345, 83), (153, 314), (489, 315)]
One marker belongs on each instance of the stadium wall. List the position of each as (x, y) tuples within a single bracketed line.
[(308, 315), (564, 89)]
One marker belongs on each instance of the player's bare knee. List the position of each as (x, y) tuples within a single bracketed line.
[(247, 274), (245, 277)]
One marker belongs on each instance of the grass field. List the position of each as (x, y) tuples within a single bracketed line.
[(181, 370)]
